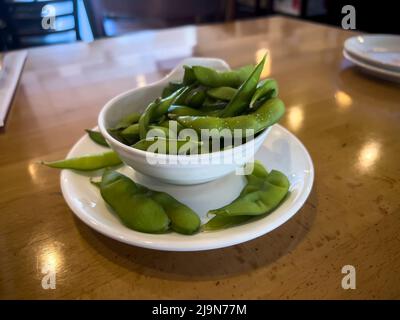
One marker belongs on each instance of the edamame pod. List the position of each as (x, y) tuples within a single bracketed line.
[(267, 88), (135, 209), (156, 109), (168, 146), (188, 76), (222, 93), (195, 98), (172, 124), (146, 117), (170, 89), (264, 200), (241, 99), (183, 219), (131, 133), (223, 222), (266, 115), (87, 163), (176, 111), (127, 120), (254, 183), (97, 137), (212, 78)]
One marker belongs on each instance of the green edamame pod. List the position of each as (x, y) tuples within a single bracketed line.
[(159, 131), (131, 133), (195, 98), (242, 98), (164, 104), (127, 120), (255, 181), (156, 109), (146, 117), (170, 89), (183, 94), (168, 146), (266, 115), (172, 125), (264, 200), (222, 93), (183, 219), (175, 111), (135, 208), (97, 137), (87, 163), (267, 88), (212, 78), (223, 222), (188, 76)]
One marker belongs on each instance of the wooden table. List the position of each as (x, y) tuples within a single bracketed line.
[(349, 122)]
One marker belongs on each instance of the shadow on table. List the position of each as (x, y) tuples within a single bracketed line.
[(210, 264)]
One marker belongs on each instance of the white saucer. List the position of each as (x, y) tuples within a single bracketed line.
[(381, 51), (281, 151), (373, 70)]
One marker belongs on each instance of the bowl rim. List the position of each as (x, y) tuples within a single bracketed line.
[(112, 102)]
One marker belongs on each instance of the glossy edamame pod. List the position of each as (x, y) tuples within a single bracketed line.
[(146, 117), (170, 89), (134, 207), (172, 125), (222, 93), (266, 115), (242, 97), (97, 137), (213, 104), (254, 183), (159, 131), (183, 95), (176, 111), (222, 222), (127, 120), (188, 76), (87, 163), (267, 88), (168, 146), (212, 78), (165, 103), (183, 219), (270, 194), (256, 179), (156, 109), (195, 98), (131, 133)]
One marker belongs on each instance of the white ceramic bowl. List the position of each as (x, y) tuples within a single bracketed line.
[(176, 169)]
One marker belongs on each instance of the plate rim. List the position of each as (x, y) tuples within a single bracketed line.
[(109, 231), (394, 76), (367, 59)]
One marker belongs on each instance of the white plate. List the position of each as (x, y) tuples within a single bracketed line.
[(377, 50), (281, 151), (375, 71)]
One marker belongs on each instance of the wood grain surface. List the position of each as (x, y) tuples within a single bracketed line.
[(349, 122)]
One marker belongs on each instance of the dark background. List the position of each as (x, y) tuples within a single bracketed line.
[(20, 20)]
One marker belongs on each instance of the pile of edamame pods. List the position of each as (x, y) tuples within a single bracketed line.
[(205, 99)]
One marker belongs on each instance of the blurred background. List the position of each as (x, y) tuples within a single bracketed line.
[(22, 22)]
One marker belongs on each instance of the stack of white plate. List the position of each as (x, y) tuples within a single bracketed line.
[(378, 55)]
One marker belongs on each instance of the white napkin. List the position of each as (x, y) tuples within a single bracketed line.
[(13, 64)]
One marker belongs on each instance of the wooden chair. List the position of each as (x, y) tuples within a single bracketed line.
[(115, 17), (24, 22)]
